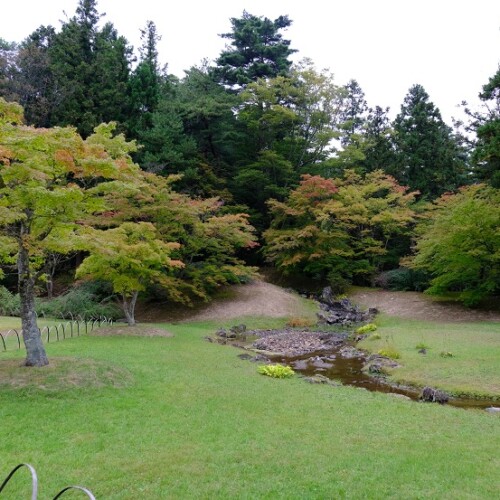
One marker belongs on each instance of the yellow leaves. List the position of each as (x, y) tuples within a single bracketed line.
[(10, 113)]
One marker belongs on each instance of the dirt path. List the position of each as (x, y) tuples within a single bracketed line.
[(254, 299), (419, 306), (265, 299)]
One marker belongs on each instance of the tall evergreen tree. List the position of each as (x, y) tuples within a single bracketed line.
[(35, 79), (486, 124), (379, 154), (145, 83), (353, 113), (429, 158), (91, 70), (258, 50)]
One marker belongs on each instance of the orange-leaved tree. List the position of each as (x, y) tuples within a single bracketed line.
[(340, 229), (51, 180)]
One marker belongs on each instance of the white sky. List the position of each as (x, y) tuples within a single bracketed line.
[(451, 47)]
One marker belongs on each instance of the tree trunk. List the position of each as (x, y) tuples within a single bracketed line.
[(35, 351), (129, 307)]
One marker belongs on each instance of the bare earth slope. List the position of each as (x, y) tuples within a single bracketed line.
[(265, 299), (419, 306), (254, 299)]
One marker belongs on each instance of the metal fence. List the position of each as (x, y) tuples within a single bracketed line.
[(34, 483), (11, 339)]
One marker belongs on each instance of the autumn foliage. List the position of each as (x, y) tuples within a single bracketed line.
[(338, 228)]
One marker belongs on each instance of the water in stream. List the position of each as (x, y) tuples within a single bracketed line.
[(348, 371)]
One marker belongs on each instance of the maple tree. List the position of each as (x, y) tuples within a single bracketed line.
[(338, 228), (50, 181), (129, 257), (458, 243)]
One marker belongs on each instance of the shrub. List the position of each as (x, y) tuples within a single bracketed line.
[(374, 336), (300, 322), (389, 352), (421, 345), (370, 327), (92, 299), (10, 304), (337, 282), (446, 354), (402, 279), (276, 371)]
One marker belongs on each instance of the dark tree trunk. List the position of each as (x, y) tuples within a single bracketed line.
[(128, 305), (35, 351)]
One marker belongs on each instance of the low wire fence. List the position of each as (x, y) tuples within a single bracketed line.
[(34, 483), (13, 339)]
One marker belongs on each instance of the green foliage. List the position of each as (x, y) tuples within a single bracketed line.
[(459, 244), (91, 70), (339, 228), (403, 279), (10, 304), (370, 327), (446, 354), (258, 50), (276, 371), (86, 300), (422, 345), (486, 124), (389, 352), (374, 336), (429, 158)]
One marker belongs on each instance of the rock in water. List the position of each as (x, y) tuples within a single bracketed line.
[(335, 311), (493, 409), (431, 395)]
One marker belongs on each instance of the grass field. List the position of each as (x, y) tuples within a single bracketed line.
[(179, 417), (462, 358)]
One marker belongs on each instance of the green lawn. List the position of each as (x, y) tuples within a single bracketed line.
[(183, 418), (9, 324), (472, 369)]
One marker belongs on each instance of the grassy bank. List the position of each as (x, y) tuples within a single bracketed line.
[(462, 358), (182, 418)]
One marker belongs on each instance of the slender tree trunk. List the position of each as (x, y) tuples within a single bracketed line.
[(129, 307), (35, 351)]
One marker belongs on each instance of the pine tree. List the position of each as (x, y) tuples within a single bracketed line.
[(428, 158), (258, 50)]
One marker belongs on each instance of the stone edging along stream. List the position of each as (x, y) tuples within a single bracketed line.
[(323, 357), (327, 357)]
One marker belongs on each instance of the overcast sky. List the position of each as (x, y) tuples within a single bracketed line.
[(451, 47)]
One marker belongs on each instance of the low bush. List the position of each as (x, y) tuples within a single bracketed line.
[(91, 299), (300, 323), (276, 371), (389, 352), (10, 304), (402, 279), (421, 345), (370, 327)]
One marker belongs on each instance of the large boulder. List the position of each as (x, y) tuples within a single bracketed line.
[(340, 311)]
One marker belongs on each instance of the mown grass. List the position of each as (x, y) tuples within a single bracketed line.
[(9, 323), (194, 421), (462, 358)]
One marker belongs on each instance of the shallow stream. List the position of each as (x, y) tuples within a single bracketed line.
[(348, 371)]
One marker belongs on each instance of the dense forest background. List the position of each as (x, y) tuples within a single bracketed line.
[(335, 189)]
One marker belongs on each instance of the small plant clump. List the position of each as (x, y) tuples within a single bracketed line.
[(370, 327), (388, 352), (299, 323), (374, 336), (276, 371), (421, 345), (446, 354)]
